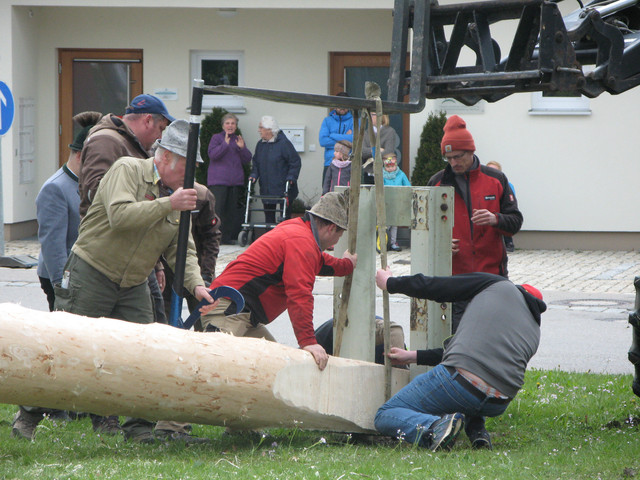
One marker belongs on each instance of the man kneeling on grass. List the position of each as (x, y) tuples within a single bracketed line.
[(483, 364)]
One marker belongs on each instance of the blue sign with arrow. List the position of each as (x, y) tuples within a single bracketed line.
[(7, 108)]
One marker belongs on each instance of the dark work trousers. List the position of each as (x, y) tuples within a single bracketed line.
[(92, 294), (227, 210), (47, 288), (156, 299), (270, 212)]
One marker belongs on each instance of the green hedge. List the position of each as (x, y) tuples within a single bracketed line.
[(429, 157)]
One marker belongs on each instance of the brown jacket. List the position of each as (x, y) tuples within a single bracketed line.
[(109, 140), (205, 228)]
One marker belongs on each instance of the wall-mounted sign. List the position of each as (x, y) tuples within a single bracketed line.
[(7, 108), (166, 93)]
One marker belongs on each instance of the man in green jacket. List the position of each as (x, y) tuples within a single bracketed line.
[(132, 221)]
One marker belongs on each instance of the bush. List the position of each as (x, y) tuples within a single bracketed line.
[(429, 157)]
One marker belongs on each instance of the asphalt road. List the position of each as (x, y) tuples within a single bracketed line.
[(584, 329)]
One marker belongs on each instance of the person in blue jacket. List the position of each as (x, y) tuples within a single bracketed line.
[(275, 164), (338, 125), (393, 176)]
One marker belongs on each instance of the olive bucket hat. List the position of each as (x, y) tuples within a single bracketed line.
[(333, 207)]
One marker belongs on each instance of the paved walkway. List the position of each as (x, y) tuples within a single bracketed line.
[(556, 270), (585, 328), (562, 270)]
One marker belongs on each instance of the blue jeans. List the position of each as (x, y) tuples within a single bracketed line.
[(410, 412)]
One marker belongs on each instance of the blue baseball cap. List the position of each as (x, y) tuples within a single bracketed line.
[(148, 104)]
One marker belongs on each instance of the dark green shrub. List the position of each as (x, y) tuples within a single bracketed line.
[(429, 157)]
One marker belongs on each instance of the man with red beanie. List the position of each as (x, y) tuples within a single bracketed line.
[(485, 210)]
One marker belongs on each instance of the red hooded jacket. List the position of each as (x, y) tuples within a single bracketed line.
[(277, 273)]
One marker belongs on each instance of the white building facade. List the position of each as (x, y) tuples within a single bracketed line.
[(574, 169)]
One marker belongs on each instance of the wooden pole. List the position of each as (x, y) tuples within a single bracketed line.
[(154, 371), (185, 216), (352, 231), (373, 91)]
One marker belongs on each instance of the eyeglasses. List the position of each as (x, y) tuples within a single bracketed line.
[(454, 157)]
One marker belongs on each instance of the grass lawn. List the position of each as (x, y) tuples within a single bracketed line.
[(560, 426)]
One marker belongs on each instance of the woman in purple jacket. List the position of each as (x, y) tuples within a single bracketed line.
[(225, 177)]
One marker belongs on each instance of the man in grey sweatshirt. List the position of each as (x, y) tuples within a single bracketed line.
[(483, 365)]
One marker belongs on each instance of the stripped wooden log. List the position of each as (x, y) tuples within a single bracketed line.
[(112, 367)]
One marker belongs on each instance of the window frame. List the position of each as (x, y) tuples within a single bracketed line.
[(541, 105), (231, 103)]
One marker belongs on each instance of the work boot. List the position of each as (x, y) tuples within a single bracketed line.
[(172, 436), (107, 425), (445, 430), (146, 437), (634, 351), (24, 424), (59, 416), (480, 439), (477, 433)]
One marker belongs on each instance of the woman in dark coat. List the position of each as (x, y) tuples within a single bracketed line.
[(275, 163)]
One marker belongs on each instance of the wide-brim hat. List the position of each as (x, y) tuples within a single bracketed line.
[(175, 138), (333, 207)]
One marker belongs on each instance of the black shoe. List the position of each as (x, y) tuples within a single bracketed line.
[(445, 431), (107, 425), (172, 436), (146, 437), (59, 416), (77, 415), (635, 386), (509, 245), (24, 424), (480, 439)]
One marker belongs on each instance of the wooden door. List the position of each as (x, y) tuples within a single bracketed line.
[(100, 80), (349, 70)]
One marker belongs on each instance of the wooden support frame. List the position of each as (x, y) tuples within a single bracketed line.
[(428, 212)]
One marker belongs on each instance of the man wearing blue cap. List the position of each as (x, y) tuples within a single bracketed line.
[(130, 136)]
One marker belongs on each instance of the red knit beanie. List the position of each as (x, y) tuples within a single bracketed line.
[(456, 136)]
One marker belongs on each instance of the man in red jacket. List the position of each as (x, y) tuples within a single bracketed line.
[(485, 207), (485, 210), (277, 273)]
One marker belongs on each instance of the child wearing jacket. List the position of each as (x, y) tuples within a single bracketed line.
[(339, 171), (393, 176)]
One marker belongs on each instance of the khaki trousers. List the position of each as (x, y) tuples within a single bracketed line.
[(238, 325)]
